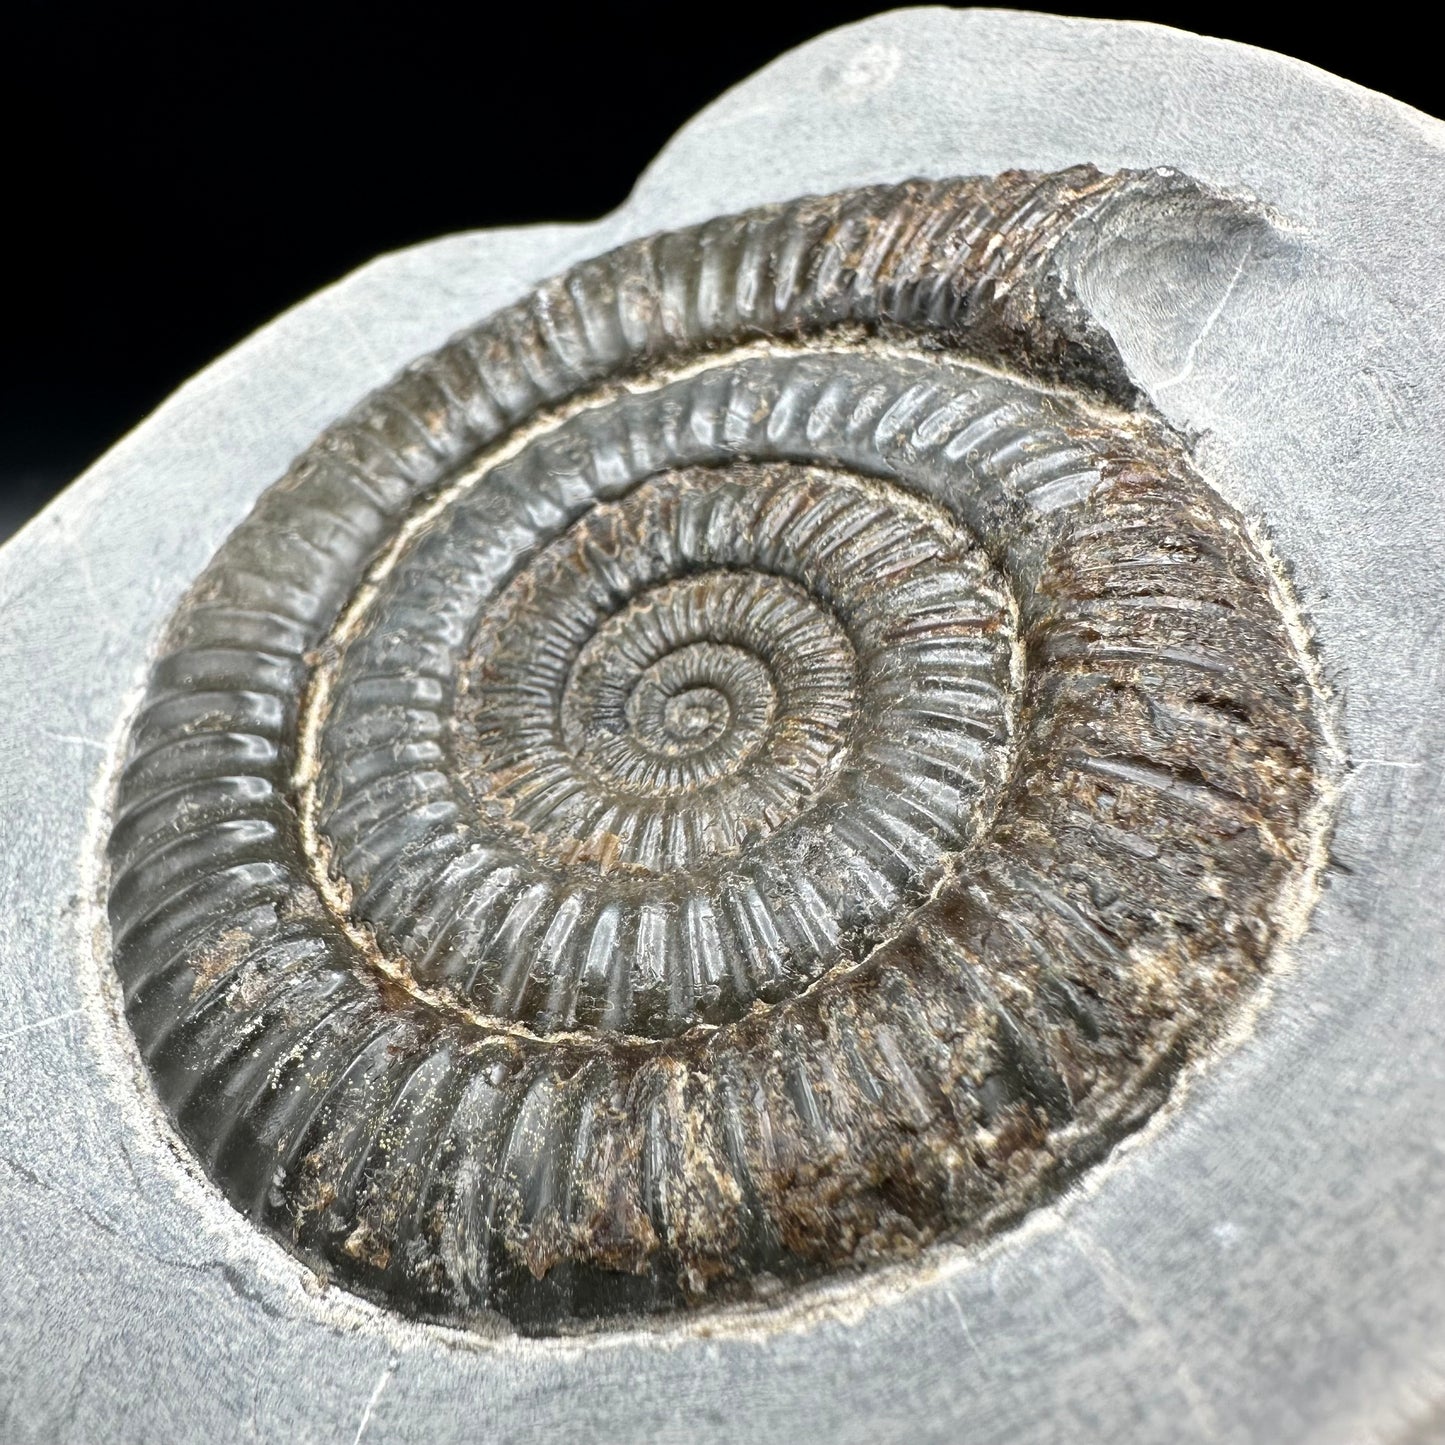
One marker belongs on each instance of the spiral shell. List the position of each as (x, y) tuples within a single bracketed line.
[(759, 756)]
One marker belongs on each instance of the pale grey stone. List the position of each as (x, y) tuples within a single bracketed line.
[(1265, 1263)]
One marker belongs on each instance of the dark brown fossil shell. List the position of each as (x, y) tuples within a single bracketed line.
[(759, 756)]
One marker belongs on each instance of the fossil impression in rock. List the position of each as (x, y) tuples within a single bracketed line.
[(761, 756)]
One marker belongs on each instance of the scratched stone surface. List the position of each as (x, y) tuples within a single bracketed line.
[(1261, 1260)]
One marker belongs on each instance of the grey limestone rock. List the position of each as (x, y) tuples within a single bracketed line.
[(832, 809)]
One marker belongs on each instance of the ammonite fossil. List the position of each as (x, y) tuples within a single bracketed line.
[(758, 757)]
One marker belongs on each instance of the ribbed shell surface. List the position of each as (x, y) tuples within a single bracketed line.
[(760, 756)]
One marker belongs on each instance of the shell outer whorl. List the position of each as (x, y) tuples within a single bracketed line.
[(758, 757)]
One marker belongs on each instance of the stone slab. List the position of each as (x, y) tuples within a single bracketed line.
[(1267, 1262)]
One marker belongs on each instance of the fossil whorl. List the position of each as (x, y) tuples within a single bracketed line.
[(756, 757)]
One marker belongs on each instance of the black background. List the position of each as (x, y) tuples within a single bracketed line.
[(177, 174)]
